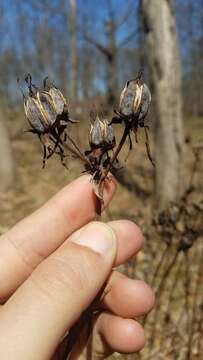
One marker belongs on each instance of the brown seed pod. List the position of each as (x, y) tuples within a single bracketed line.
[(47, 113), (130, 99), (35, 116), (144, 106), (133, 107), (59, 102), (101, 134), (134, 103), (39, 108)]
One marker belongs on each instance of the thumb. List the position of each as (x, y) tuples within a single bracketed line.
[(58, 291)]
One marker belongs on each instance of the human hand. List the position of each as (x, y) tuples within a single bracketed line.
[(52, 265)]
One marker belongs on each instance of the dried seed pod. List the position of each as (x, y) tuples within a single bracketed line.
[(39, 108), (133, 108), (130, 99), (101, 134), (187, 240), (40, 111), (47, 107), (144, 106), (134, 103), (58, 99), (35, 116), (47, 113)]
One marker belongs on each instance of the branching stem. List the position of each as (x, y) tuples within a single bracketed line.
[(118, 149)]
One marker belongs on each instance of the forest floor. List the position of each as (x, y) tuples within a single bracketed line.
[(135, 200), (35, 185)]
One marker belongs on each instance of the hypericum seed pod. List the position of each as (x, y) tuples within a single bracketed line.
[(145, 103), (47, 113), (133, 107), (35, 115), (58, 99), (47, 107), (130, 99), (101, 134)]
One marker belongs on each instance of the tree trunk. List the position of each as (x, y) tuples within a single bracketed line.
[(164, 65), (111, 63), (111, 79), (7, 165), (74, 58)]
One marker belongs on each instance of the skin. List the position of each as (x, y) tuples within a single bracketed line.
[(53, 263)]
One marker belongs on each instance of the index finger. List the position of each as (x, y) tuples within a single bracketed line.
[(34, 238)]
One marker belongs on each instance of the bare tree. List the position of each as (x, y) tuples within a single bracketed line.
[(164, 63), (111, 48), (189, 19), (72, 22)]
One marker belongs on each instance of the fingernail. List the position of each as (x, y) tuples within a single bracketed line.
[(98, 237)]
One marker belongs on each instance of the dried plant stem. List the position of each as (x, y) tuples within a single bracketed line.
[(76, 152), (118, 149), (171, 294), (161, 261), (195, 306), (98, 208), (80, 154), (158, 295), (71, 339), (110, 165), (187, 291), (159, 265)]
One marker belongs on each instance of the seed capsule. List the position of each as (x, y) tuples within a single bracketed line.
[(36, 117), (58, 100), (134, 101), (45, 109), (145, 103), (130, 99), (101, 134)]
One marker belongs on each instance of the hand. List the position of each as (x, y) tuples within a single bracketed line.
[(52, 265)]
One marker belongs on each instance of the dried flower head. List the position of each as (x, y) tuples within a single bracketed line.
[(47, 113), (130, 99), (101, 134), (134, 104)]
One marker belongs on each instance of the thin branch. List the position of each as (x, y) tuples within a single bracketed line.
[(118, 149), (104, 50), (194, 307), (127, 39), (158, 295), (122, 20)]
